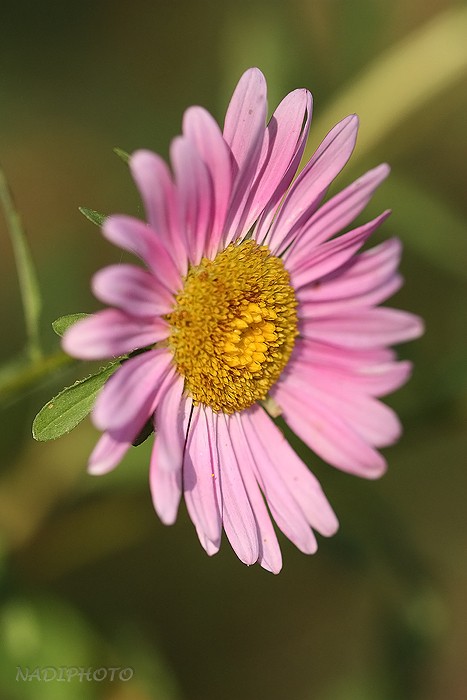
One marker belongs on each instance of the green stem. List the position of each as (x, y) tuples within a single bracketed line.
[(27, 374), (29, 287)]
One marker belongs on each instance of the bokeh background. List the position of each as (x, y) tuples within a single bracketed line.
[(88, 575)]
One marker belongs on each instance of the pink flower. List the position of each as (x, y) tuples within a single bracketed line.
[(251, 299)]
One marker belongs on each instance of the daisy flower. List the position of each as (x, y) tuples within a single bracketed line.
[(251, 302)]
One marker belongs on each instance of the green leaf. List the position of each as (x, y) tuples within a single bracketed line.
[(60, 325), (93, 216), (70, 406), (122, 154)]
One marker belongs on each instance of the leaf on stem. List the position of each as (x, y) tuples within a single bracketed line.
[(70, 406), (93, 216), (122, 154), (61, 324)]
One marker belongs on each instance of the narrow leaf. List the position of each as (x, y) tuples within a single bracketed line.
[(70, 406), (122, 154), (92, 215), (60, 325)]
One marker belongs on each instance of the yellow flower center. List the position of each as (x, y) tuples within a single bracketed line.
[(234, 327)]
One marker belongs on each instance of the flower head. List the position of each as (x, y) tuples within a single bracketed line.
[(250, 296)]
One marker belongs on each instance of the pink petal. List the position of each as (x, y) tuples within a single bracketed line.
[(374, 378), (196, 196), (244, 132), (238, 518), (384, 378), (165, 473), (373, 421), (157, 189), (133, 290), (310, 308), (283, 146), (171, 412), (336, 214), (245, 115), (296, 478), (374, 265), (107, 454), (128, 398), (138, 238), (281, 502), (202, 130), (366, 273), (270, 554), (312, 183), (366, 328), (166, 490), (327, 433), (331, 255), (314, 351), (110, 333), (201, 478)]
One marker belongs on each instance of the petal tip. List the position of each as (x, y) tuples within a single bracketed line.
[(97, 468), (331, 526)]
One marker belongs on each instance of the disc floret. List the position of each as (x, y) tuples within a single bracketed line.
[(234, 326)]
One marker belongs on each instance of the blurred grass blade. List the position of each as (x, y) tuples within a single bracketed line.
[(70, 406), (410, 74), (93, 216), (30, 294), (434, 219), (61, 324)]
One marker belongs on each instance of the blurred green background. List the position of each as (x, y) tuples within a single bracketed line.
[(88, 575)]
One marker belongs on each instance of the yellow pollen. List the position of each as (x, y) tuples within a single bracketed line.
[(233, 327)]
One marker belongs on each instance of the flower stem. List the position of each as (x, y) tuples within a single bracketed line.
[(23, 374), (29, 287)]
